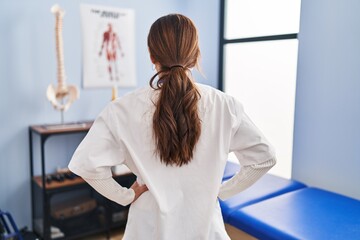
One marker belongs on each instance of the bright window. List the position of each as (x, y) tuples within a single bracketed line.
[(258, 64), (253, 18)]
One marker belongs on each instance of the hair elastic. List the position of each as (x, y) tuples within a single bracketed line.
[(175, 66)]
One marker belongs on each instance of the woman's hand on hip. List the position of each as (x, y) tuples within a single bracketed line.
[(138, 189)]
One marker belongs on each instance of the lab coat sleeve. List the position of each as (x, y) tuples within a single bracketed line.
[(110, 189), (99, 150), (248, 143), (254, 153)]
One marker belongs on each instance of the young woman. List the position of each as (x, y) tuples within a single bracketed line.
[(175, 136)]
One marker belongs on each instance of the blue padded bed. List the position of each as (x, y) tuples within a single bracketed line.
[(308, 213), (266, 187)]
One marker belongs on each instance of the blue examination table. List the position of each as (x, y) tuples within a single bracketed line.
[(277, 208)]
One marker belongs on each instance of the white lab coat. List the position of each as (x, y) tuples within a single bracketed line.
[(182, 201)]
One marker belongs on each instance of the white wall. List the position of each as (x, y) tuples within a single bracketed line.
[(326, 143)]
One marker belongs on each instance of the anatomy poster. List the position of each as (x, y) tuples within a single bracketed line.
[(108, 46)]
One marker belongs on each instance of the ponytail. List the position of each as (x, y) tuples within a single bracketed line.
[(173, 47), (176, 122)]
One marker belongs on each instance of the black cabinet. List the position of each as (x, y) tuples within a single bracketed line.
[(63, 206)]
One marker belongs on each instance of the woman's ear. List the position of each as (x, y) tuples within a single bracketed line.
[(152, 59)]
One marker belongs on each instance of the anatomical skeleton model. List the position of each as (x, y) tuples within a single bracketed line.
[(62, 95)]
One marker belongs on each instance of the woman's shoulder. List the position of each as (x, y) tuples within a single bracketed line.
[(209, 93), (140, 94), (214, 99)]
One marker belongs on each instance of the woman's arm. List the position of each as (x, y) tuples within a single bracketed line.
[(254, 153), (247, 176), (112, 190)]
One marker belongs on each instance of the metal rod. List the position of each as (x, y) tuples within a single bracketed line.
[(221, 46), (31, 177), (46, 204), (62, 116), (263, 38)]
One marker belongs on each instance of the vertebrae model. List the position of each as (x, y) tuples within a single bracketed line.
[(62, 95)]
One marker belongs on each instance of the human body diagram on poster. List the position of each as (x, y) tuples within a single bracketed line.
[(111, 45)]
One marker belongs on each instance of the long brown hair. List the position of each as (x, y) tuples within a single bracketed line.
[(173, 46)]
